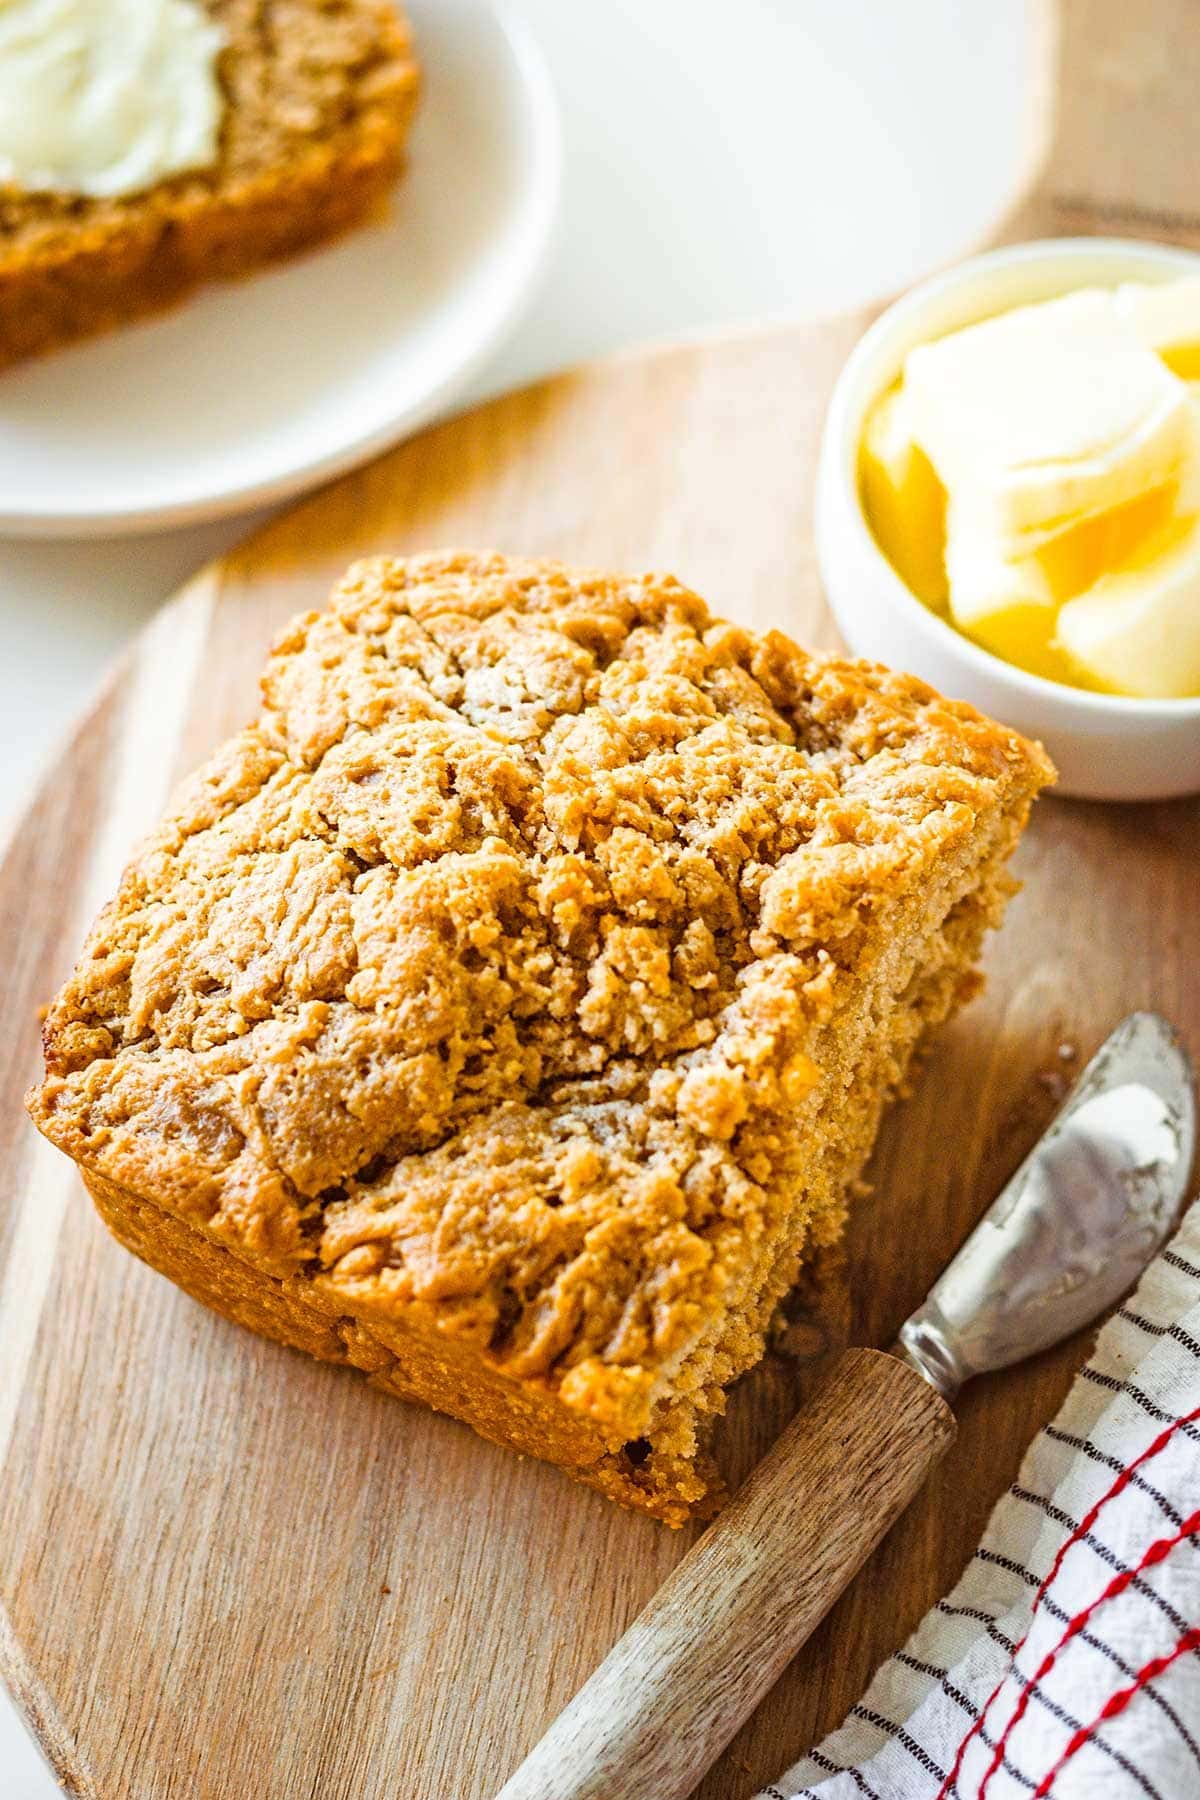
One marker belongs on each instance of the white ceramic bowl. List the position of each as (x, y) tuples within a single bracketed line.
[(1106, 747)]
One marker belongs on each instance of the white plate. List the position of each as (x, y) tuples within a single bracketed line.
[(249, 392)]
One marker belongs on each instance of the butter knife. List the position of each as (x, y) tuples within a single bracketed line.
[(1066, 1238)]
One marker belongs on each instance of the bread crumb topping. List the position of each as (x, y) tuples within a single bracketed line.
[(473, 980)]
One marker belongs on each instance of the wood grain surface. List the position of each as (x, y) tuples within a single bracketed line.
[(229, 1574), (671, 1692)]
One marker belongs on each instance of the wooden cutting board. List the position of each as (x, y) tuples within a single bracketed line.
[(230, 1574)]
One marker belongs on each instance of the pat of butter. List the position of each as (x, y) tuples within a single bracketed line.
[(1036, 478), (1166, 319), (1011, 606), (981, 576), (1005, 605), (1137, 631), (106, 97), (1044, 416), (903, 499)]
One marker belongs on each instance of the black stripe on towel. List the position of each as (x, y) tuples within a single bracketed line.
[(917, 1751), (860, 1781), (1136, 1478), (1108, 1557)]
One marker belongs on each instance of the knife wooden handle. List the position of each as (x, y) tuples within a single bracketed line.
[(696, 1662)]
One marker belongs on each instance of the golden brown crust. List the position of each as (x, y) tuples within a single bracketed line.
[(438, 1373), (319, 97), (509, 981)]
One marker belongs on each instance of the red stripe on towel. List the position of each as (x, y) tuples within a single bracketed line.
[(1116, 1703), (1120, 1482), (1155, 1553)]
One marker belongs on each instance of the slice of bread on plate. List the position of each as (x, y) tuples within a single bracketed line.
[(317, 100)]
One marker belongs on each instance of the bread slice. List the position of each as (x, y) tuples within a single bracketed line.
[(318, 99), (509, 1009)]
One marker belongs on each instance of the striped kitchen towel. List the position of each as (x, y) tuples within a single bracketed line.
[(1066, 1663)]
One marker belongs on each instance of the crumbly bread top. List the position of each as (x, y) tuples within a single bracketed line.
[(475, 978), (298, 77)]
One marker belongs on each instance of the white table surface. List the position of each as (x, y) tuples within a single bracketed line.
[(724, 163)]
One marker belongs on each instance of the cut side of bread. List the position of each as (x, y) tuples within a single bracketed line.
[(319, 95)]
